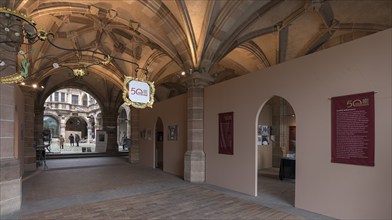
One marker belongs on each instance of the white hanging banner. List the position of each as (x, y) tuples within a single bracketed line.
[(138, 93)]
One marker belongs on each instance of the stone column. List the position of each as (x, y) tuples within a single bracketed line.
[(89, 131), (29, 151), (38, 124), (194, 159), (135, 135), (109, 120), (129, 126), (10, 166), (62, 126), (10, 172)]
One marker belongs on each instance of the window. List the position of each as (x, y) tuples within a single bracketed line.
[(75, 99), (62, 97), (92, 100), (56, 96), (85, 100)]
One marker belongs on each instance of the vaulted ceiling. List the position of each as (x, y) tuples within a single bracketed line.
[(220, 39)]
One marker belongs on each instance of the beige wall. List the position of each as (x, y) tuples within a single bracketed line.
[(172, 112), (338, 190)]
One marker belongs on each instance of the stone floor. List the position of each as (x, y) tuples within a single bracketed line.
[(111, 188), (68, 149)]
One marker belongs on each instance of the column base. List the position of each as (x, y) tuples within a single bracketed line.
[(194, 166), (133, 155), (10, 187)]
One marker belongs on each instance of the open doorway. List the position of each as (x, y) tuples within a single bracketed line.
[(159, 144), (276, 148)]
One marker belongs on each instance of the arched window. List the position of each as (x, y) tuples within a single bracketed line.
[(84, 100)]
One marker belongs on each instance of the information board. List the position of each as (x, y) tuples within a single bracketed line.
[(226, 133), (353, 129)]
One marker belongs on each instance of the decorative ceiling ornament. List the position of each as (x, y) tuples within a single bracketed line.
[(98, 57), (79, 72), (138, 92), (16, 28)]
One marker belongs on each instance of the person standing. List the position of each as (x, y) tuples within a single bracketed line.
[(71, 140), (77, 139), (61, 142)]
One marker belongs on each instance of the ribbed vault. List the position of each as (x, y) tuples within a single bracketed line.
[(224, 39)]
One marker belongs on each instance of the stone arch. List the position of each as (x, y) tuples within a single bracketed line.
[(52, 123), (76, 124)]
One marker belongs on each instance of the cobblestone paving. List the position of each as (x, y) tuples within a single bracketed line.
[(111, 188), (187, 201)]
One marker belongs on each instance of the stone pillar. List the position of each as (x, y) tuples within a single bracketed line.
[(129, 126), (38, 124), (10, 172), (89, 131), (62, 126), (29, 151), (110, 126), (194, 159), (135, 135), (10, 166)]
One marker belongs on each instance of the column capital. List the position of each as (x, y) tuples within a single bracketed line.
[(28, 91), (198, 80)]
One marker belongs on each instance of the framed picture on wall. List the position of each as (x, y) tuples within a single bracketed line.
[(172, 133), (148, 133), (265, 131), (143, 134), (263, 134)]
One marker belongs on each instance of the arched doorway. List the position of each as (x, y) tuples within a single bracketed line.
[(52, 124), (159, 144), (77, 124), (276, 135)]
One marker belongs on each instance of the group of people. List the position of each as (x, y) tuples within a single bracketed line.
[(72, 140)]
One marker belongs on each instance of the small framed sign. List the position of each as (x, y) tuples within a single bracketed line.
[(138, 93), (172, 136)]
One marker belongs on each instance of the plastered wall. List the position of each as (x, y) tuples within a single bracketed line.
[(172, 112), (338, 190)]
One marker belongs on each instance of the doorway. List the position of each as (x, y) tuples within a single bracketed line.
[(276, 145), (159, 144)]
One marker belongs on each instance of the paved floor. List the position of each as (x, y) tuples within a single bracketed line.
[(111, 188), (68, 149)]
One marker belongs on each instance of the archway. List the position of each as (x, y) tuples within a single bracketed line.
[(77, 127), (159, 144), (276, 126), (75, 111), (52, 124)]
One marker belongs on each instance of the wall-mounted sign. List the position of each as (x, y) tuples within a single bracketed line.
[(353, 129), (138, 93), (226, 133)]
